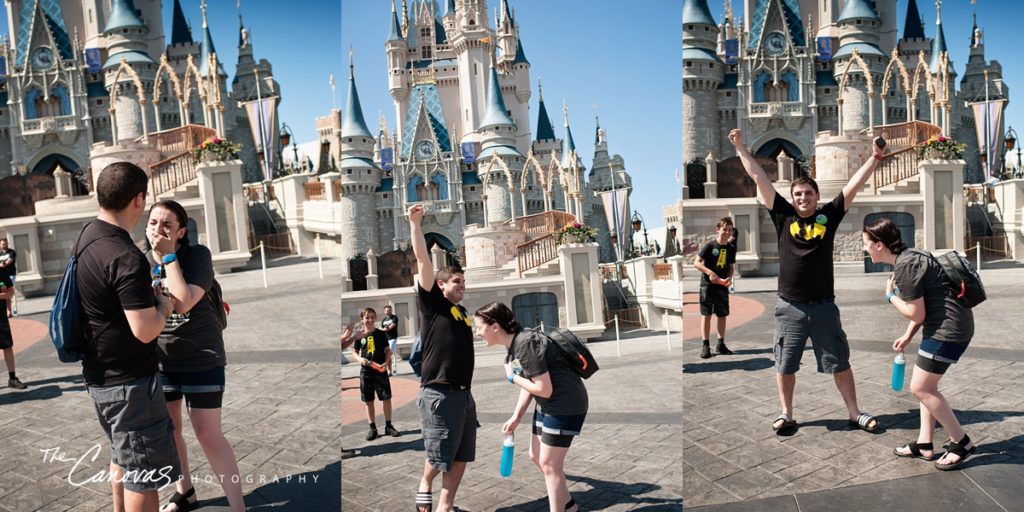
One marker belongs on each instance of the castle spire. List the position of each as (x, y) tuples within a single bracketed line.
[(353, 124), (568, 145), (939, 44), (180, 33), (123, 15), (396, 29), (495, 113), (207, 47), (914, 26), (544, 129)]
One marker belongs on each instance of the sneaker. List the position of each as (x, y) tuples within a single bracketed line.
[(391, 431), (723, 350), (348, 454), (16, 384), (705, 352), (372, 434)]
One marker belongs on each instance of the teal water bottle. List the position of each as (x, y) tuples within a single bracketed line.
[(508, 448), (899, 366)]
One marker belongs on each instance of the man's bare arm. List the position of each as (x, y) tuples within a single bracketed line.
[(765, 190), (863, 174), (424, 269)]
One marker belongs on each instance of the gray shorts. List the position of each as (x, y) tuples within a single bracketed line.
[(795, 322), (448, 417), (134, 417)]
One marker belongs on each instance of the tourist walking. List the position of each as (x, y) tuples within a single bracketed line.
[(371, 351), (716, 262), (389, 324)]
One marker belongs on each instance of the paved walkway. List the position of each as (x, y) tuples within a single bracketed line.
[(628, 457), (280, 407), (733, 461)]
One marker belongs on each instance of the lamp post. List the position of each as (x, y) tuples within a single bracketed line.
[(1011, 141), (638, 222)]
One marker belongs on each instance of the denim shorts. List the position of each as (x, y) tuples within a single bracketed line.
[(134, 417), (795, 322), (557, 430), (448, 418), (935, 356), (201, 390)]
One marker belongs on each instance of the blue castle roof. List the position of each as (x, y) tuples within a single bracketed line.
[(858, 9), (180, 33), (914, 26), (791, 13), (123, 15), (353, 124), (496, 113), (696, 12), (938, 47)]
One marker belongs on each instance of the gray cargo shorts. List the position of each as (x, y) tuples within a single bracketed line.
[(448, 418), (795, 322), (134, 417)]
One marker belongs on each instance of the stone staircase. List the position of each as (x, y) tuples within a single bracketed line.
[(911, 185)]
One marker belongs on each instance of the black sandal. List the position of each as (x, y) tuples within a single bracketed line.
[(915, 451), (787, 422), (181, 501), (424, 499), (958, 449), (570, 504)]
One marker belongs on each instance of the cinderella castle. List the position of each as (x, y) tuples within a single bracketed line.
[(463, 144), (776, 73), (80, 75)]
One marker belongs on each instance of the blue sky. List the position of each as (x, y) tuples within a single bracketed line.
[(623, 56), (300, 41)]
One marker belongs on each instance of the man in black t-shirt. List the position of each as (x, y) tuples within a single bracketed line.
[(371, 351), (716, 262), (806, 305), (389, 324), (446, 406), (8, 271), (122, 316)]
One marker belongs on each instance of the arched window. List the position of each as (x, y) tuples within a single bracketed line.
[(32, 99), (440, 187), (63, 100), (414, 191)]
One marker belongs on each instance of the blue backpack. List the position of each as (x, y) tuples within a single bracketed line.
[(416, 357), (67, 328)]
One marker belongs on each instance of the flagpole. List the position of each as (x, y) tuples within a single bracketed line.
[(263, 140), (988, 134)]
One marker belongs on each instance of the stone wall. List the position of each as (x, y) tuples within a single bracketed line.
[(493, 246), (700, 111), (361, 232)]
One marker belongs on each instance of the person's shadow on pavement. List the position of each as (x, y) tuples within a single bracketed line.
[(604, 494), (45, 389), (373, 448)]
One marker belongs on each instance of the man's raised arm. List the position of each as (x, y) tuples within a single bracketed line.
[(765, 190), (863, 174), (424, 269)]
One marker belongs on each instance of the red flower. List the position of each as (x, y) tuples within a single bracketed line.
[(216, 140), (577, 225), (942, 139)]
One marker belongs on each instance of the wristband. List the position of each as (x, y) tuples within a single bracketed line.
[(510, 378), (889, 296), (879, 158), (170, 258)]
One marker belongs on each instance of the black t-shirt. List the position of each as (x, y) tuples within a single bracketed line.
[(193, 341), (536, 354), (373, 347), (12, 268), (717, 257), (447, 335), (390, 320), (805, 249), (113, 276), (918, 274)]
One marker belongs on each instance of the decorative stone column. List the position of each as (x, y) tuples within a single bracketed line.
[(291, 195), (942, 182), (583, 298), (371, 274), (225, 213), (62, 182), (711, 183)]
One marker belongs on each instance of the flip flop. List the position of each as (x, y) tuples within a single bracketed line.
[(862, 422), (787, 422), (959, 450), (424, 499)]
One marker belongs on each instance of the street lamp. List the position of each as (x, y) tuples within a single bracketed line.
[(638, 222), (286, 138), (1011, 141)]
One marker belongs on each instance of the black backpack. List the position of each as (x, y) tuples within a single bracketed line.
[(574, 351), (964, 281), (220, 309)]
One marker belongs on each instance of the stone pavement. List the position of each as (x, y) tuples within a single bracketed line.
[(628, 458), (280, 406), (733, 461)]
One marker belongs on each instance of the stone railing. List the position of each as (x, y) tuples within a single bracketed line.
[(314, 190), (254, 192), (177, 140), (536, 252), (178, 168), (545, 223), (901, 161), (662, 271)]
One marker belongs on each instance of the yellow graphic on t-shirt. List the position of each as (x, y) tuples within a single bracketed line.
[(457, 315), (808, 232), (722, 255), (371, 347)]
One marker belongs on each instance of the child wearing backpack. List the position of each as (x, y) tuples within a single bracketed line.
[(543, 374), (922, 291)]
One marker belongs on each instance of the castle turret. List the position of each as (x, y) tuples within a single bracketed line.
[(207, 49), (573, 166), (498, 141), (126, 39), (607, 172), (360, 178), (544, 147), (702, 74), (472, 42), (977, 74), (859, 26), (397, 50), (507, 35)]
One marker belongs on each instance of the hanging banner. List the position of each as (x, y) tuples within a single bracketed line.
[(263, 124), (387, 158), (988, 117), (732, 51), (468, 153), (824, 49), (3, 72), (616, 211), (92, 59)]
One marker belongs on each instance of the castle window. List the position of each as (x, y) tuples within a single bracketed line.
[(711, 66), (472, 189), (689, 64), (728, 94), (385, 195), (425, 52), (828, 90), (689, 27)]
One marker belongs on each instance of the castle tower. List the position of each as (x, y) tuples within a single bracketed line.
[(972, 89), (544, 148), (472, 42), (859, 26), (253, 80), (607, 172), (360, 178), (498, 138), (702, 74), (516, 70), (507, 35), (945, 107), (397, 50), (573, 168), (126, 41)]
